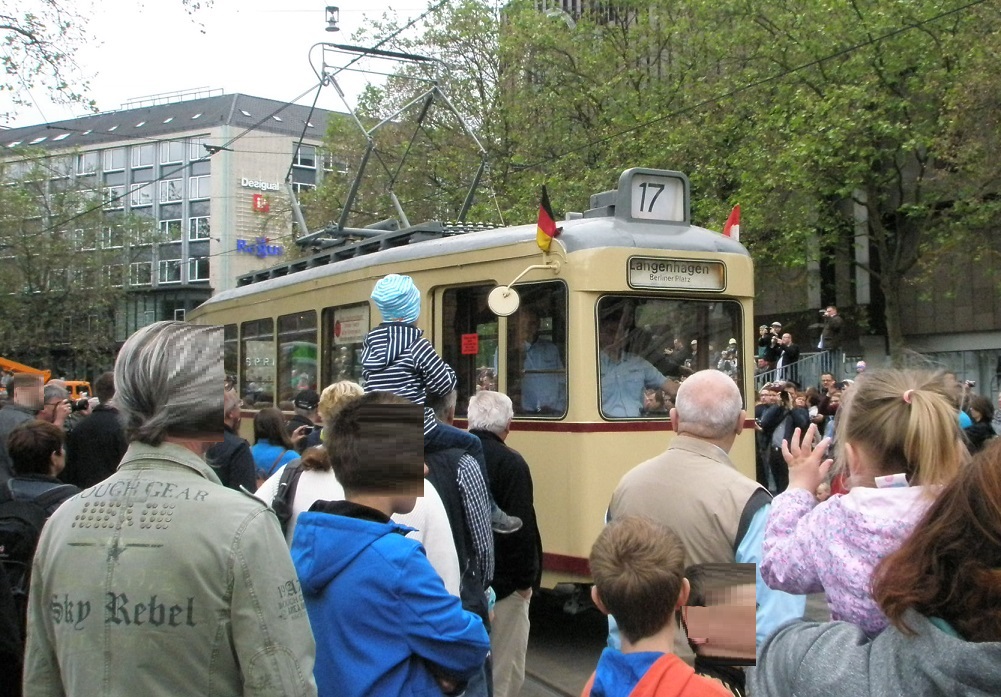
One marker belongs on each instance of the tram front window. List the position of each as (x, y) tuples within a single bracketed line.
[(536, 365), (647, 346)]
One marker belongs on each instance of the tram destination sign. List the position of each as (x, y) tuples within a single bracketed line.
[(676, 274)]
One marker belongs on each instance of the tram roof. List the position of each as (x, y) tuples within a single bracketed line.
[(578, 235)]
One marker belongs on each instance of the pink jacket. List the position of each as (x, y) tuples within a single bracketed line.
[(835, 546)]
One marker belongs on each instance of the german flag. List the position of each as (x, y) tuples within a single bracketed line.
[(547, 223)]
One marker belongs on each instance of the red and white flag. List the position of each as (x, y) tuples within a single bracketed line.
[(732, 226)]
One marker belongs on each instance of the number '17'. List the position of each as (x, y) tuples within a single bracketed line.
[(660, 190)]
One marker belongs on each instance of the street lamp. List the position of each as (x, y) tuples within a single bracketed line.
[(333, 17)]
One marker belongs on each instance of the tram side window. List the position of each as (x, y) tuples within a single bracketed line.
[(469, 343), (257, 347), (230, 351), (537, 349), (647, 346), (344, 329), (296, 356)]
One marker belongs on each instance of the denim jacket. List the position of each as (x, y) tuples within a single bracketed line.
[(160, 581)]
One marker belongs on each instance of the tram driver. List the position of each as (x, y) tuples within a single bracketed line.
[(624, 375), (543, 378)]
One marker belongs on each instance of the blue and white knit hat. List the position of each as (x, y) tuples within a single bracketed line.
[(397, 298)]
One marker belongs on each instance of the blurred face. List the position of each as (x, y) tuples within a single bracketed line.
[(826, 381), (801, 402), (30, 396), (787, 339)]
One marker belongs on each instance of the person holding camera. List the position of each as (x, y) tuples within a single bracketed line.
[(778, 422), (96, 446), (772, 343), (304, 426)]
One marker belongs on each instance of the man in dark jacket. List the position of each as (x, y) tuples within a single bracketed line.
[(231, 459), (26, 402), (517, 556), (96, 445)]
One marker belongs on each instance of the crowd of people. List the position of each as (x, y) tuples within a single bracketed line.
[(386, 552)]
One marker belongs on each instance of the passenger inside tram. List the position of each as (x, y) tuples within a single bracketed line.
[(543, 378)]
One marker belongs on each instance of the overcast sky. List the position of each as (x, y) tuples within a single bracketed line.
[(257, 47)]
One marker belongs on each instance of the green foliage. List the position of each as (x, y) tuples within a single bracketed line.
[(64, 264), (795, 109)]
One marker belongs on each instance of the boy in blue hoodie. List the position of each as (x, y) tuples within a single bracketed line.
[(397, 358), (638, 569), (383, 622)]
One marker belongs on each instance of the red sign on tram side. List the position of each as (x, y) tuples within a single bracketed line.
[(470, 344)]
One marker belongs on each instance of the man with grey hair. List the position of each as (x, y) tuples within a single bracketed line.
[(55, 405), (231, 459), (160, 581), (518, 556), (694, 489), (460, 482)]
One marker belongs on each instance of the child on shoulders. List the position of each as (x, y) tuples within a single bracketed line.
[(638, 567), (397, 358), (899, 438)]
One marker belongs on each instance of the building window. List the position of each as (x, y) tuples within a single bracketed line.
[(196, 149), (86, 162), (143, 155), (198, 187), (141, 273), (60, 167), (114, 197), (87, 239), (170, 231), (114, 274), (305, 156), (141, 195), (171, 151), (171, 190), (170, 271), (332, 164), (112, 237), (114, 159), (199, 229), (198, 269), (301, 187)]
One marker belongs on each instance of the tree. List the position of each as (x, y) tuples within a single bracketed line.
[(65, 264), (40, 38), (871, 119)]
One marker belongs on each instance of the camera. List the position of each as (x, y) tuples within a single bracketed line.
[(79, 404), (970, 383)]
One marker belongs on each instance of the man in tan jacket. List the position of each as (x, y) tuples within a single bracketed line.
[(694, 489)]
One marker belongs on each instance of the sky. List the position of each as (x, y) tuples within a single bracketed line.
[(257, 47)]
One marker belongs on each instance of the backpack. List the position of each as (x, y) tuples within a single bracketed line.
[(20, 527), (281, 504)]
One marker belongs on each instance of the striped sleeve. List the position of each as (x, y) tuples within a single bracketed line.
[(438, 376)]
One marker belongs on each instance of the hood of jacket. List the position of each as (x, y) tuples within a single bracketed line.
[(326, 543), (618, 675), (386, 343)]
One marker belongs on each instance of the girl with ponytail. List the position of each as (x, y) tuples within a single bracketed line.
[(898, 437)]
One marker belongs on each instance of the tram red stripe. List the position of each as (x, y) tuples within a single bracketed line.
[(565, 564), (599, 427)]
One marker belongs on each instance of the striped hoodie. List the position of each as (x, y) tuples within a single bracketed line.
[(397, 358)]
